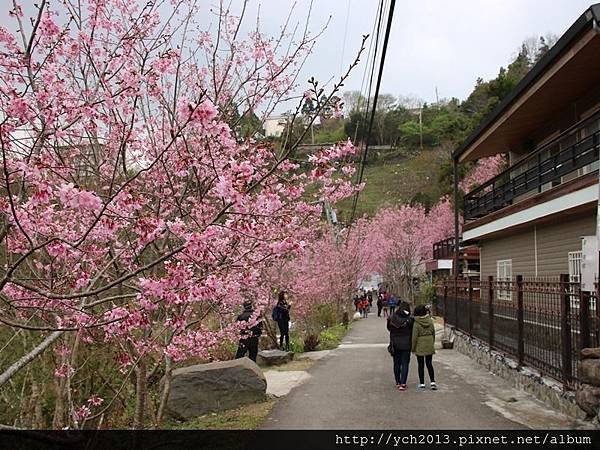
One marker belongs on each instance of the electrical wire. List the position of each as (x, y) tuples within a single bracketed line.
[(345, 35), (363, 120), (374, 106)]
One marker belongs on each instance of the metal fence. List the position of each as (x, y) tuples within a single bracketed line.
[(542, 323)]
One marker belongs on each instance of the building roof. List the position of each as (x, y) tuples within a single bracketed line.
[(588, 20)]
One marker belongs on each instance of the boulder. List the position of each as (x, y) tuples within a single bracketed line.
[(274, 357), (590, 353), (204, 388), (588, 399), (589, 371)]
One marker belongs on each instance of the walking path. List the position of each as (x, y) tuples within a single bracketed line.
[(353, 388)]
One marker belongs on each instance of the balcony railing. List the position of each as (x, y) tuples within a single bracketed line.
[(545, 166), (444, 249)]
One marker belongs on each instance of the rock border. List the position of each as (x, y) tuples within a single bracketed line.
[(527, 379)]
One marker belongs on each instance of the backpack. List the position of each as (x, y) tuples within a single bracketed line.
[(276, 314)]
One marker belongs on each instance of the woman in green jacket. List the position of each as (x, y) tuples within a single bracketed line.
[(423, 345)]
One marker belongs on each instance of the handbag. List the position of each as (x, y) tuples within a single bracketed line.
[(390, 348)]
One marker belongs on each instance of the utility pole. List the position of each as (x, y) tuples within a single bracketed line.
[(456, 223), (421, 126)]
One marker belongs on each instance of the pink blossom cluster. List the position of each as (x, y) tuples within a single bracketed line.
[(484, 170)]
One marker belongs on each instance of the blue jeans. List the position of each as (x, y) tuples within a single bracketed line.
[(401, 363)]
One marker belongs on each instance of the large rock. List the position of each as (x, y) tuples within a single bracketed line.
[(204, 388), (589, 371), (274, 357), (588, 399), (590, 353)]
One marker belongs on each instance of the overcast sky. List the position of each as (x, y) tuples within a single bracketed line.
[(446, 44), (440, 43)]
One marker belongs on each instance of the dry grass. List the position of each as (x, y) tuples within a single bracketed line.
[(247, 417)]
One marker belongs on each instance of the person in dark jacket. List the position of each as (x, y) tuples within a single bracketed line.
[(249, 336), (423, 345), (282, 317), (400, 326), (379, 304)]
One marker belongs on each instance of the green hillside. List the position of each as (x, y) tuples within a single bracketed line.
[(395, 180)]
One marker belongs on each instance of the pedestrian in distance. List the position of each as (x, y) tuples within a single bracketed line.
[(249, 336), (370, 299), (281, 315), (400, 326), (423, 346), (392, 303), (379, 304), (385, 304), (364, 307)]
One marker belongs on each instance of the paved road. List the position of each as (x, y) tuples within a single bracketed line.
[(353, 388)]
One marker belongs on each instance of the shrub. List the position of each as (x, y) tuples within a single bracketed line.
[(427, 295), (311, 342), (296, 343), (331, 337), (326, 316)]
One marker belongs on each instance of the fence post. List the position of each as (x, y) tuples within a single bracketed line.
[(491, 311), (584, 319), (520, 323), (445, 302), (565, 327), (456, 302), (470, 306)]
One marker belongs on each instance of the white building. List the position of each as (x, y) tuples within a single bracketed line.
[(274, 125)]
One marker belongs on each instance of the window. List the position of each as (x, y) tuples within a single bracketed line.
[(575, 266), (575, 259), (504, 273)]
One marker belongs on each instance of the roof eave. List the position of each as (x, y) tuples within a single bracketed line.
[(587, 20)]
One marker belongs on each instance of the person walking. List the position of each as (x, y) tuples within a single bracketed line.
[(364, 307), (385, 304), (281, 315), (379, 304), (400, 326), (356, 301), (370, 298), (392, 303), (249, 336), (423, 346)]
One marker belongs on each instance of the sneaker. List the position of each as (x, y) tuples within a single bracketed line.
[(420, 387), (433, 386), (402, 387)]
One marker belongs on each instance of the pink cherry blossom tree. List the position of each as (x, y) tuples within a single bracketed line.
[(328, 271), (133, 219), (484, 170), (402, 240)]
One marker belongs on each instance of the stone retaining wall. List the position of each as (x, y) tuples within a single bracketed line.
[(527, 379)]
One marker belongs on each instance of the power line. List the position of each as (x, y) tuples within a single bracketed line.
[(374, 107), (368, 63), (375, 48), (345, 35)]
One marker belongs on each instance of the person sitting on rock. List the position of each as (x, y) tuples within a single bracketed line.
[(249, 336)]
